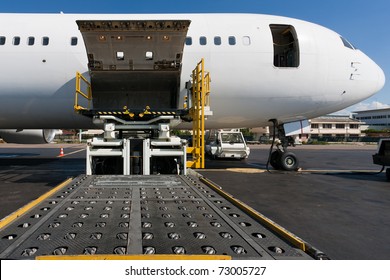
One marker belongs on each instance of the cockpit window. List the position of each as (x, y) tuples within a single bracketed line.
[(286, 47), (347, 44)]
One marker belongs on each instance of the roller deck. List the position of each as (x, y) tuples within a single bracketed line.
[(159, 216)]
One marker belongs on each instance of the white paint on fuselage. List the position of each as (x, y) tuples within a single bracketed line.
[(37, 82)]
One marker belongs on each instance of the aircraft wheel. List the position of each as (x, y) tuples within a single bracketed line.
[(275, 160), (289, 161)]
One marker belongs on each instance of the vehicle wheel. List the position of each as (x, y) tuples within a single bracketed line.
[(275, 160), (388, 174), (289, 162)]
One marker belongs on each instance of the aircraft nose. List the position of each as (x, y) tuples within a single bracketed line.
[(372, 74), (381, 78)]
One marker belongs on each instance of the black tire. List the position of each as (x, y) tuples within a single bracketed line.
[(289, 162), (388, 174), (275, 160)]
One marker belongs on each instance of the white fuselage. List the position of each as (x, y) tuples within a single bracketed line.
[(37, 81)]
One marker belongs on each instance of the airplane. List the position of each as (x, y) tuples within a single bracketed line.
[(265, 69)]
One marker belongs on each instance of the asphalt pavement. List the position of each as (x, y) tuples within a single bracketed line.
[(338, 202)]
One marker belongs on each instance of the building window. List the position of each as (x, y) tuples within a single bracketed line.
[(189, 41), (2, 40), (353, 126), (217, 41), (340, 126), (30, 41), (16, 41), (203, 41), (232, 40), (246, 40), (45, 41), (286, 49), (327, 125), (380, 117), (314, 125), (73, 41)]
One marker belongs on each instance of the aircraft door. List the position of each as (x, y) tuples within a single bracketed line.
[(134, 63)]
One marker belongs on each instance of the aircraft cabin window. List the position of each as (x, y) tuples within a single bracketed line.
[(189, 41), (2, 40), (232, 40), (73, 41), (246, 40), (45, 41), (203, 40), (217, 41), (16, 41), (30, 41), (286, 48)]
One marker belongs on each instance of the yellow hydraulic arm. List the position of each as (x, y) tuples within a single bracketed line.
[(87, 95), (200, 98)]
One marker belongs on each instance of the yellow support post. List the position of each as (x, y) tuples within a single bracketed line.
[(200, 98)]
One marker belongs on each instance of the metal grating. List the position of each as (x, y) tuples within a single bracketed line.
[(140, 215)]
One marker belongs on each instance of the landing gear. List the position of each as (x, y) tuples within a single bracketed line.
[(275, 159), (281, 159), (284, 161), (289, 161)]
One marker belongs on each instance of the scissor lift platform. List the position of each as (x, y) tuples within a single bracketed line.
[(157, 216)]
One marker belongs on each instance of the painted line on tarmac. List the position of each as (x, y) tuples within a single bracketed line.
[(261, 170), (237, 170), (337, 171)]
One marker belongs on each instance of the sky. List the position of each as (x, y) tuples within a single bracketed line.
[(364, 23)]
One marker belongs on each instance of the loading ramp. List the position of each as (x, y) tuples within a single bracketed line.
[(136, 217)]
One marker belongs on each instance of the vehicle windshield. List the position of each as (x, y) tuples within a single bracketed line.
[(231, 138)]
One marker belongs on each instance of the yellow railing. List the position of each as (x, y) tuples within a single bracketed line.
[(87, 95), (200, 99)]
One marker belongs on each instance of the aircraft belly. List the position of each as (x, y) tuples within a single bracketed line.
[(39, 112)]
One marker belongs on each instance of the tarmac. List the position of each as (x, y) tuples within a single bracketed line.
[(338, 202)]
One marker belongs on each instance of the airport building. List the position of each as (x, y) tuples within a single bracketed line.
[(378, 119), (328, 128), (334, 126)]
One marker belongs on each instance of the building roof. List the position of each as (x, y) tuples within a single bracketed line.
[(335, 119), (373, 111)]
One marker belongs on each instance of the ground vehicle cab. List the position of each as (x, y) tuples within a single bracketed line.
[(223, 143)]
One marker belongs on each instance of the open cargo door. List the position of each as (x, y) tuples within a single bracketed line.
[(134, 63)]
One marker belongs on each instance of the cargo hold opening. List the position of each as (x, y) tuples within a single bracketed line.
[(135, 90)]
